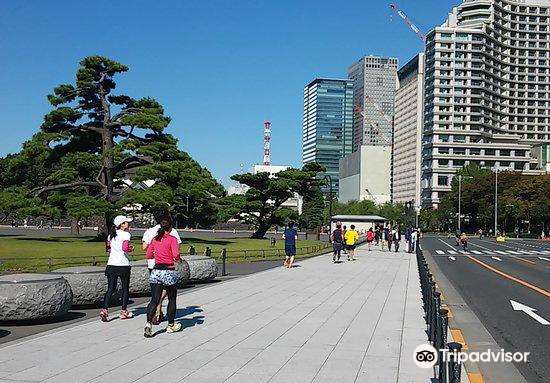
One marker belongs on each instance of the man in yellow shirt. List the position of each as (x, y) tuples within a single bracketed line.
[(351, 238)]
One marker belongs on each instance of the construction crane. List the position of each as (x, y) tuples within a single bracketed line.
[(409, 22), (378, 109), (374, 127)]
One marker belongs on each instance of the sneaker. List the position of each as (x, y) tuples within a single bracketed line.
[(104, 315), (148, 331), (125, 314), (173, 328)]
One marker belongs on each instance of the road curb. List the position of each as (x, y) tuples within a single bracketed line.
[(473, 333)]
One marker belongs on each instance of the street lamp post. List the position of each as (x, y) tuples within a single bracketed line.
[(329, 179), (460, 178), (496, 200)]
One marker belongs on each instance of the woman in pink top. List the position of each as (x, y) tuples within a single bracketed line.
[(164, 250)]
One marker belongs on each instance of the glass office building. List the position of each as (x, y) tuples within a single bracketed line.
[(328, 124)]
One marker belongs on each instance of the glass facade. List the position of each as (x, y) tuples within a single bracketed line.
[(328, 124)]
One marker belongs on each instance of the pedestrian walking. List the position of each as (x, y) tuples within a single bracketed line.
[(384, 238), (351, 238), (146, 240), (390, 238), (396, 236), (290, 236), (345, 250), (337, 240), (415, 239), (118, 265), (480, 233), (377, 236), (370, 238), (164, 250)]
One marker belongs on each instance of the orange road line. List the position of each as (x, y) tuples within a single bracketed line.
[(524, 260), (475, 378), (457, 337), (449, 313), (512, 278)]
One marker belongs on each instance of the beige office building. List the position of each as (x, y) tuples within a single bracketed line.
[(407, 136), (487, 91)]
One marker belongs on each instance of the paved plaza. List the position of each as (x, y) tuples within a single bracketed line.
[(318, 322)]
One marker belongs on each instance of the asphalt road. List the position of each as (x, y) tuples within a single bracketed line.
[(489, 275)]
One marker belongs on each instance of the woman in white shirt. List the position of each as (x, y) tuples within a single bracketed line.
[(118, 265)]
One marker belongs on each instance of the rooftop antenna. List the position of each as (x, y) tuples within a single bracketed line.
[(267, 139)]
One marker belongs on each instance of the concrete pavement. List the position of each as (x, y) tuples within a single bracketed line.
[(319, 322)]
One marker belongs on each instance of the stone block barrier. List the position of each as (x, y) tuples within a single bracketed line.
[(33, 296)]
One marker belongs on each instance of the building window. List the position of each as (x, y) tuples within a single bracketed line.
[(442, 181)]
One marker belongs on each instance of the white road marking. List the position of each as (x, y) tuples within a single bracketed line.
[(489, 252), (497, 259), (452, 258), (512, 252), (477, 252), (463, 252), (529, 311), (500, 252), (451, 251), (440, 252), (544, 259)]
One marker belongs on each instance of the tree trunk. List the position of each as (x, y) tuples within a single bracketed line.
[(261, 230), (75, 230), (107, 146)]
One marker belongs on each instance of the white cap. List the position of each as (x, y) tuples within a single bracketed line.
[(120, 219)]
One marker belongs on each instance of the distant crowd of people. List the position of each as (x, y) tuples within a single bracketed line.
[(344, 240)]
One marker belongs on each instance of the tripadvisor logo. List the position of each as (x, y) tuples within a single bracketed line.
[(426, 356)]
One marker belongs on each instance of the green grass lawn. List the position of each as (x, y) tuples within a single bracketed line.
[(64, 251)]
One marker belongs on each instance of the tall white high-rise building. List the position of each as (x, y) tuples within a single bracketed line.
[(374, 82), (487, 91), (407, 135)]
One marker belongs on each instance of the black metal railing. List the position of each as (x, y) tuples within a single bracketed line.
[(437, 325)]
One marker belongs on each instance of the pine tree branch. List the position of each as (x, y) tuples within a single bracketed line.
[(41, 190)]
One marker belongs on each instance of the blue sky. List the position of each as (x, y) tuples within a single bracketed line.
[(220, 68)]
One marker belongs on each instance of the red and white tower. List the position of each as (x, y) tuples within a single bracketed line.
[(267, 139)]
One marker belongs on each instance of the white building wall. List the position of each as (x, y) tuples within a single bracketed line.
[(365, 174), (407, 137)]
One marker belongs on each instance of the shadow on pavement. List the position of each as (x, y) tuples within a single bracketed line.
[(4, 333), (180, 313), (71, 315)]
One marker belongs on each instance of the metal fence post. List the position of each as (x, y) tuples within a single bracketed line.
[(434, 318), (245, 254), (454, 367), (442, 341), (224, 256), (50, 264)]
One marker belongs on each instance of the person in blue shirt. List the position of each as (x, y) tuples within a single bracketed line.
[(290, 236)]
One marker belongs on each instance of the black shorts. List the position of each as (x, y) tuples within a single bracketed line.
[(350, 247), (119, 271), (290, 251), (369, 240)]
